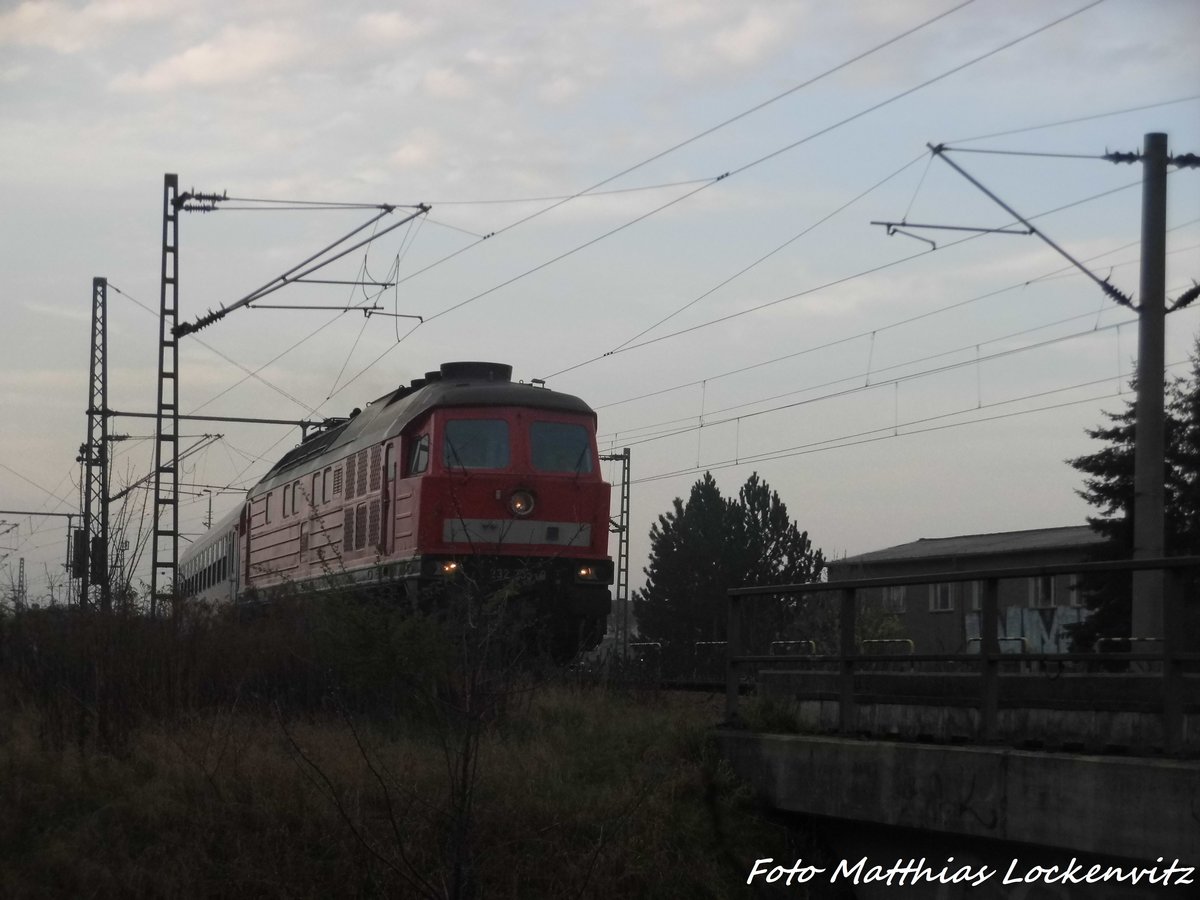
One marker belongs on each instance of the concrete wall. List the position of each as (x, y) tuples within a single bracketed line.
[(1130, 808)]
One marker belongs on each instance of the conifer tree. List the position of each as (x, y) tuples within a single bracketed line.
[(701, 548), (1108, 488)]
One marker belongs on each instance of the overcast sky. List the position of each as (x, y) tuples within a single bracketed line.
[(888, 391)]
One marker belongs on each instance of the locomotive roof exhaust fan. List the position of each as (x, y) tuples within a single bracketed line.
[(477, 371)]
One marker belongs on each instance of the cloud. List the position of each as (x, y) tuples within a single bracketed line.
[(748, 40), (390, 27), (13, 74), (68, 29), (236, 55), (444, 83), (416, 152), (76, 313)]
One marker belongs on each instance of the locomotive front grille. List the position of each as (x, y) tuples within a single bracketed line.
[(516, 531)]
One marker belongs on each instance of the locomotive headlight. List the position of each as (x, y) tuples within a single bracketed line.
[(449, 567), (586, 572), (520, 503)]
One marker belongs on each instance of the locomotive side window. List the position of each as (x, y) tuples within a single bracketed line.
[(419, 459), (476, 444), (326, 484), (561, 447)]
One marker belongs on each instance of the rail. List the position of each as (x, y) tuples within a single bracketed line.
[(988, 660)]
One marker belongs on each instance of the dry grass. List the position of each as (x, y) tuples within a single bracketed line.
[(580, 793), (305, 755)]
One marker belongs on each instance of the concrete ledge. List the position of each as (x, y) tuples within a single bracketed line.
[(1133, 808), (1053, 712)]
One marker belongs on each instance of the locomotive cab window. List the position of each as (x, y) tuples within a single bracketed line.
[(418, 460), (476, 444), (561, 447)]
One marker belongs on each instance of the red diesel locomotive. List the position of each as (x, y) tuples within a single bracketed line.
[(461, 472)]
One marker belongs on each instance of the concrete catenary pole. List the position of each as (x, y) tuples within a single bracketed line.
[(1148, 532)]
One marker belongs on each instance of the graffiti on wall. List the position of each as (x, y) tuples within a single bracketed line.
[(1029, 630)]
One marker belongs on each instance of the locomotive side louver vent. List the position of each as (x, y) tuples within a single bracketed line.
[(360, 486), (376, 472), (360, 526), (337, 481), (347, 529), (350, 461), (373, 523)]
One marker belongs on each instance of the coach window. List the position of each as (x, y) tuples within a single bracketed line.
[(267, 510), (561, 447), (476, 444), (313, 492), (325, 483), (418, 460), (287, 492)]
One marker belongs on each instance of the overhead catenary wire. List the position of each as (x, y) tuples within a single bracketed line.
[(699, 136), (878, 383), (1077, 119), (892, 430), (825, 285), (779, 248), (250, 374), (891, 325), (743, 168)]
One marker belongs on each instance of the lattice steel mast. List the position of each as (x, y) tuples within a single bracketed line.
[(620, 527), (165, 535), (93, 545)]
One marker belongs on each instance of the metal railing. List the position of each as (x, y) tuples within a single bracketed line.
[(987, 662)]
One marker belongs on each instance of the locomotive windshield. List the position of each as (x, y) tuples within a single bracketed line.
[(561, 447), (477, 444)]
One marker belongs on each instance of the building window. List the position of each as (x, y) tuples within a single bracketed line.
[(1041, 590), (894, 598), (973, 593), (941, 597), (1075, 593)]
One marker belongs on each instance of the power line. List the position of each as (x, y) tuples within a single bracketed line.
[(870, 109), (223, 356), (865, 437), (696, 137), (1077, 119), (768, 255), (1007, 45), (1037, 153), (891, 325), (837, 281), (939, 370)]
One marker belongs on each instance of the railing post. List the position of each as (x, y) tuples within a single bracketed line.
[(847, 718), (1172, 675), (733, 649), (989, 662)]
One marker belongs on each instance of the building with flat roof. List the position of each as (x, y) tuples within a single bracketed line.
[(944, 616)]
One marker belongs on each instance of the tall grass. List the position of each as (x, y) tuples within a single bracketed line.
[(334, 749)]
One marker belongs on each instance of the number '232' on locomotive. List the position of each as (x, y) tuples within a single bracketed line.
[(462, 470)]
